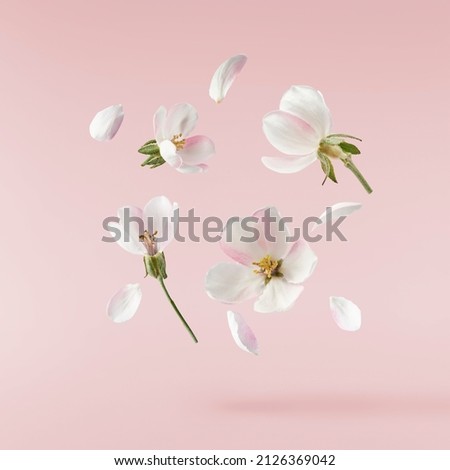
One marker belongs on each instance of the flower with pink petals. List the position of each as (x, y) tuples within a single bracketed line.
[(268, 264), (172, 143)]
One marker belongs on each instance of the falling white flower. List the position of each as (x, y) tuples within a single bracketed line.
[(345, 313), (301, 130), (172, 143), (270, 268), (106, 123), (147, 239), (242, 333), (224, 77)]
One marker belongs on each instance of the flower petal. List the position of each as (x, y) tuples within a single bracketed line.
[(300, 263), (290, 134), (345, 313), (197, 149), (190, 169), (341, 209), (232, 283), (242, 333), (288, 164), (159, 214), (124, 304), (131, 226), (308, 104), (181, 119), (278, 296), (168, 151), (158, 123), (241, 244), (224, 77), (106, 123)]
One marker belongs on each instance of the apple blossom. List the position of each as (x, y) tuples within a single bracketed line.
[(301, 130), (158, 213), (270, 268), (172, 143), (224, 77)]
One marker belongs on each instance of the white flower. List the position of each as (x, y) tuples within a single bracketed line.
[(301, 130), (224, 77), (242, 333), (106, 123), (271, 268), (172, 129), (345, 313)]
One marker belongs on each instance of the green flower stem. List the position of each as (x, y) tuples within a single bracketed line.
[(352, 167), (180, 316)]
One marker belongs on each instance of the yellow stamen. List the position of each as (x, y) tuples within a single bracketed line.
[(178, 141), (267, 266)]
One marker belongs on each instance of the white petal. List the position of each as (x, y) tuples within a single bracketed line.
[(124, 304), (196, 150), (106, 123), (300, 263), (158, 215), (181, 119), (345, 313), (308, 104), (232, 283), (341, 209), (278, 296), (131, 225), (224, 77), (242, 333), (288, 164), (290, 134), (159, 119), (168, 151), (190, 169)]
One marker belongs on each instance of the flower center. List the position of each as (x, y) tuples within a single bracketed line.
[(178, 141), (268, 267), (149, 241)]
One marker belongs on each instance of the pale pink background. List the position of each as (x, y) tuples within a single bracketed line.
[(72, 379)]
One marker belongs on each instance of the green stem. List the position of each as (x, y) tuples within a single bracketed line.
[(180, 316), (352, 167)]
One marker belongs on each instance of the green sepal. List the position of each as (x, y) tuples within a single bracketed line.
[(349, 148), (153, 161), (155, 266), (327, 168), (150, 148)]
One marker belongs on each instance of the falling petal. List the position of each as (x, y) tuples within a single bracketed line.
[(242, 333), (124, 304), (288, 164), (106, 123), (341, 209), (345, 313), (224, 77)]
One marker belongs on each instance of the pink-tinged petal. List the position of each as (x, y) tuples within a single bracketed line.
[(196, 150), (240, 241), (345, 313), (190, 169), (290, 134), (159, 214), (106, 123), (159, 119), (224, 77), (288, 164), (308, 104), (242, 334), (232, 283), (168, 151), (273, 233), (278, 296), (341, 209), (299, 263), (124, 304), (181, 119), (131, 226)]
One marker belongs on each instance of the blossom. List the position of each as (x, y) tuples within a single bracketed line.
[(301, 130), (241, 333), (224, 77), (145, 233), (346, 314), (172, 143), (106, 123), (270, 266)]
